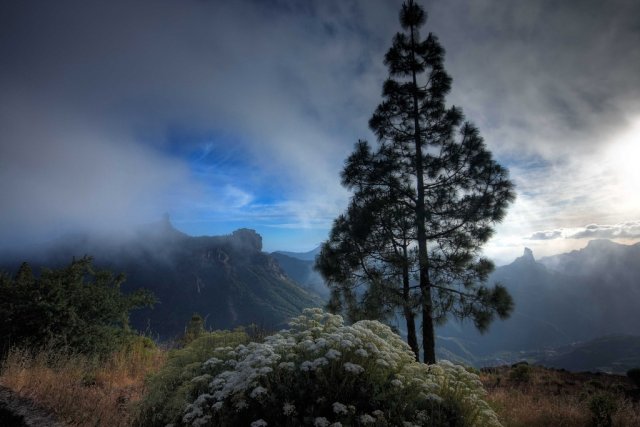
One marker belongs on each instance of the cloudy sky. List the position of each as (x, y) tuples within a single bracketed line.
[(229, 114)]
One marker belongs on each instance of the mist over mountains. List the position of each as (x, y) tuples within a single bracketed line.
[(560, 301), (228, 280)]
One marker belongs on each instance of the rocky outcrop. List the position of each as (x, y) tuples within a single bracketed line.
[(248, 239)]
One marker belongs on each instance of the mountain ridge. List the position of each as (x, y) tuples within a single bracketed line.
[(228, 280), (304, 256)]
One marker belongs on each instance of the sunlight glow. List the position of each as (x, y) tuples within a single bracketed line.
[(624, 156)]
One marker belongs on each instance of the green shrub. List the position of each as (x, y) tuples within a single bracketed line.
[(169, 389), (195, 328), (521, 374), (634, 375), (472, 370), (321, 373), (76, 307), (602, 407)]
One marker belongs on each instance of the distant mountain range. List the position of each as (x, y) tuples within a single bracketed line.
[(560, 301), (614, 353), (579, 310), (226, 279), (304, 256)]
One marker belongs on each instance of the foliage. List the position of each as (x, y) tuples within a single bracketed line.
[(195, 329), (321, 372), (370, 244), (521, 373), (634, 375), (169, 389), (75, 307), (602, 407), (424, 202)]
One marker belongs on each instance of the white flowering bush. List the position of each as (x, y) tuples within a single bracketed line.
[(170, 389), (323, 373)]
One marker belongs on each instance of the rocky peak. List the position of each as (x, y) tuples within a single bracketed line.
[(247, 237), (528, 255), (526, 258)]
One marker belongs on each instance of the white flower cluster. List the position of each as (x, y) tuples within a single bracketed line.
[(325, 373)]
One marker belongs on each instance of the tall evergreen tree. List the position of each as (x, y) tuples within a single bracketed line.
[(436, 167), (370, 244)]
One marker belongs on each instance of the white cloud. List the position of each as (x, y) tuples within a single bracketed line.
[(628, 230)]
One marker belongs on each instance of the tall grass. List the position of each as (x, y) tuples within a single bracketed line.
[(80, 390), (552, 398)]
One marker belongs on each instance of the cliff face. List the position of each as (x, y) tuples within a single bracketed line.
[(226, 279)]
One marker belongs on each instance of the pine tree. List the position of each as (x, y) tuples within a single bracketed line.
[(435, 167), (371, 244)]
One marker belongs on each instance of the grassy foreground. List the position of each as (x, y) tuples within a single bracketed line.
[(84, 392), (537, 397), (81, 391)]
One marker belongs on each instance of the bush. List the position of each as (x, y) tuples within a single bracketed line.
[(195, 328), (602, 407), (76, 307), (634, 375), (170, 388), (520, 374), (321, 373)]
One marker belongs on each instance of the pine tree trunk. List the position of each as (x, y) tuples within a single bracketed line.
[(428, 335), (412, 338), (428, 339)]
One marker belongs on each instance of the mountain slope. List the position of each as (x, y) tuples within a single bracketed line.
[(226, 279), (615, 353), (305, 256), (301, 270)]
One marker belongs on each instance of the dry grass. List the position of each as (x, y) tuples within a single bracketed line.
[(82, 391), (519, 408), (557, 398)]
